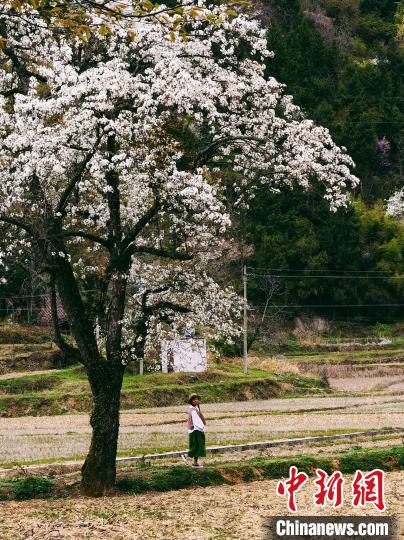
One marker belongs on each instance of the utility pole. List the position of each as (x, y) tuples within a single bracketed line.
[(141, 366), (245, 321)]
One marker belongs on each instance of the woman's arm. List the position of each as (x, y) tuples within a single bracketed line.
[(197, 420), (201, 416)]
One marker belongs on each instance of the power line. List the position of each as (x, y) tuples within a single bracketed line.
[(317, 270), (364, 123), (330, 276), (332, 305), (45, 295)]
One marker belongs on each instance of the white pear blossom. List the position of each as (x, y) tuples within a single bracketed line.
[(121, 143), (395, 205)]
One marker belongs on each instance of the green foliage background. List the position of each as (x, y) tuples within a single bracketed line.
[(342, 60)]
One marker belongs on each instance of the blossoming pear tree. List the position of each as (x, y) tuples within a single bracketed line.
[(117, 148), (85, 18)]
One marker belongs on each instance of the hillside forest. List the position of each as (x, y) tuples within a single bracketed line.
[(343, 63)]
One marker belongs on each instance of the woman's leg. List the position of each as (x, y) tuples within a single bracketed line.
[(196, 446)]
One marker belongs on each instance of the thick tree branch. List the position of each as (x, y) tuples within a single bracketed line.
[(141, 224), (82, 328), (161, 253), (88, 236), (18, 223), (114, 201), (114, 318), (70, 354), (120, 263), (104, 284), (76, 177)]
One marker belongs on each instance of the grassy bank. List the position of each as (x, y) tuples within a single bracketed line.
[(166, 478), (26, 348), (24, 334), (67, 391), (179, 477)]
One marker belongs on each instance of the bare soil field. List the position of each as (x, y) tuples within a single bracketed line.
[(386, 384), (142, 431), (367, 379), (214, 513)]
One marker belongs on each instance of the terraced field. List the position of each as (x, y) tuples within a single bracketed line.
[(51, 438), (45, 411), (63, 391)]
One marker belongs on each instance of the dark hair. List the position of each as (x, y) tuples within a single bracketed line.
[(192, 397)]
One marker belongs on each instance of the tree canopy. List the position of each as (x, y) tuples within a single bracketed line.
[(96, 157)]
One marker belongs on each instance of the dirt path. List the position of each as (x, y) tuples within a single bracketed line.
[(144, 431), (219, 513)]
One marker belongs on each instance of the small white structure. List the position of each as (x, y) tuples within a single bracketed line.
[(183, 355)]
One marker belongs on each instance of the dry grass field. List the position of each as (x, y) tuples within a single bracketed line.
[(27, 439), (366, 392), (213, 513)]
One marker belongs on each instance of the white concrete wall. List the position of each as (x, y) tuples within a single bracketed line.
[(184, 355)]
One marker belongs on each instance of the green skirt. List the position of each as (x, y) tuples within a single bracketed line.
[(197, 444)]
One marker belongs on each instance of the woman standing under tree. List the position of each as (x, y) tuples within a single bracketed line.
[(196, 430)]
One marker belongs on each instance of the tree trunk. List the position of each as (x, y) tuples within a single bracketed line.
[(105, 375), (99, 469), (68, 355)]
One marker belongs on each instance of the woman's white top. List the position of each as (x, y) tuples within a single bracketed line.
[(196, 420)]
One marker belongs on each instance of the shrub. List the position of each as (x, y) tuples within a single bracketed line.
[(133, 485), (383, 329), (387, 460), (292, 345), (32, 487)]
